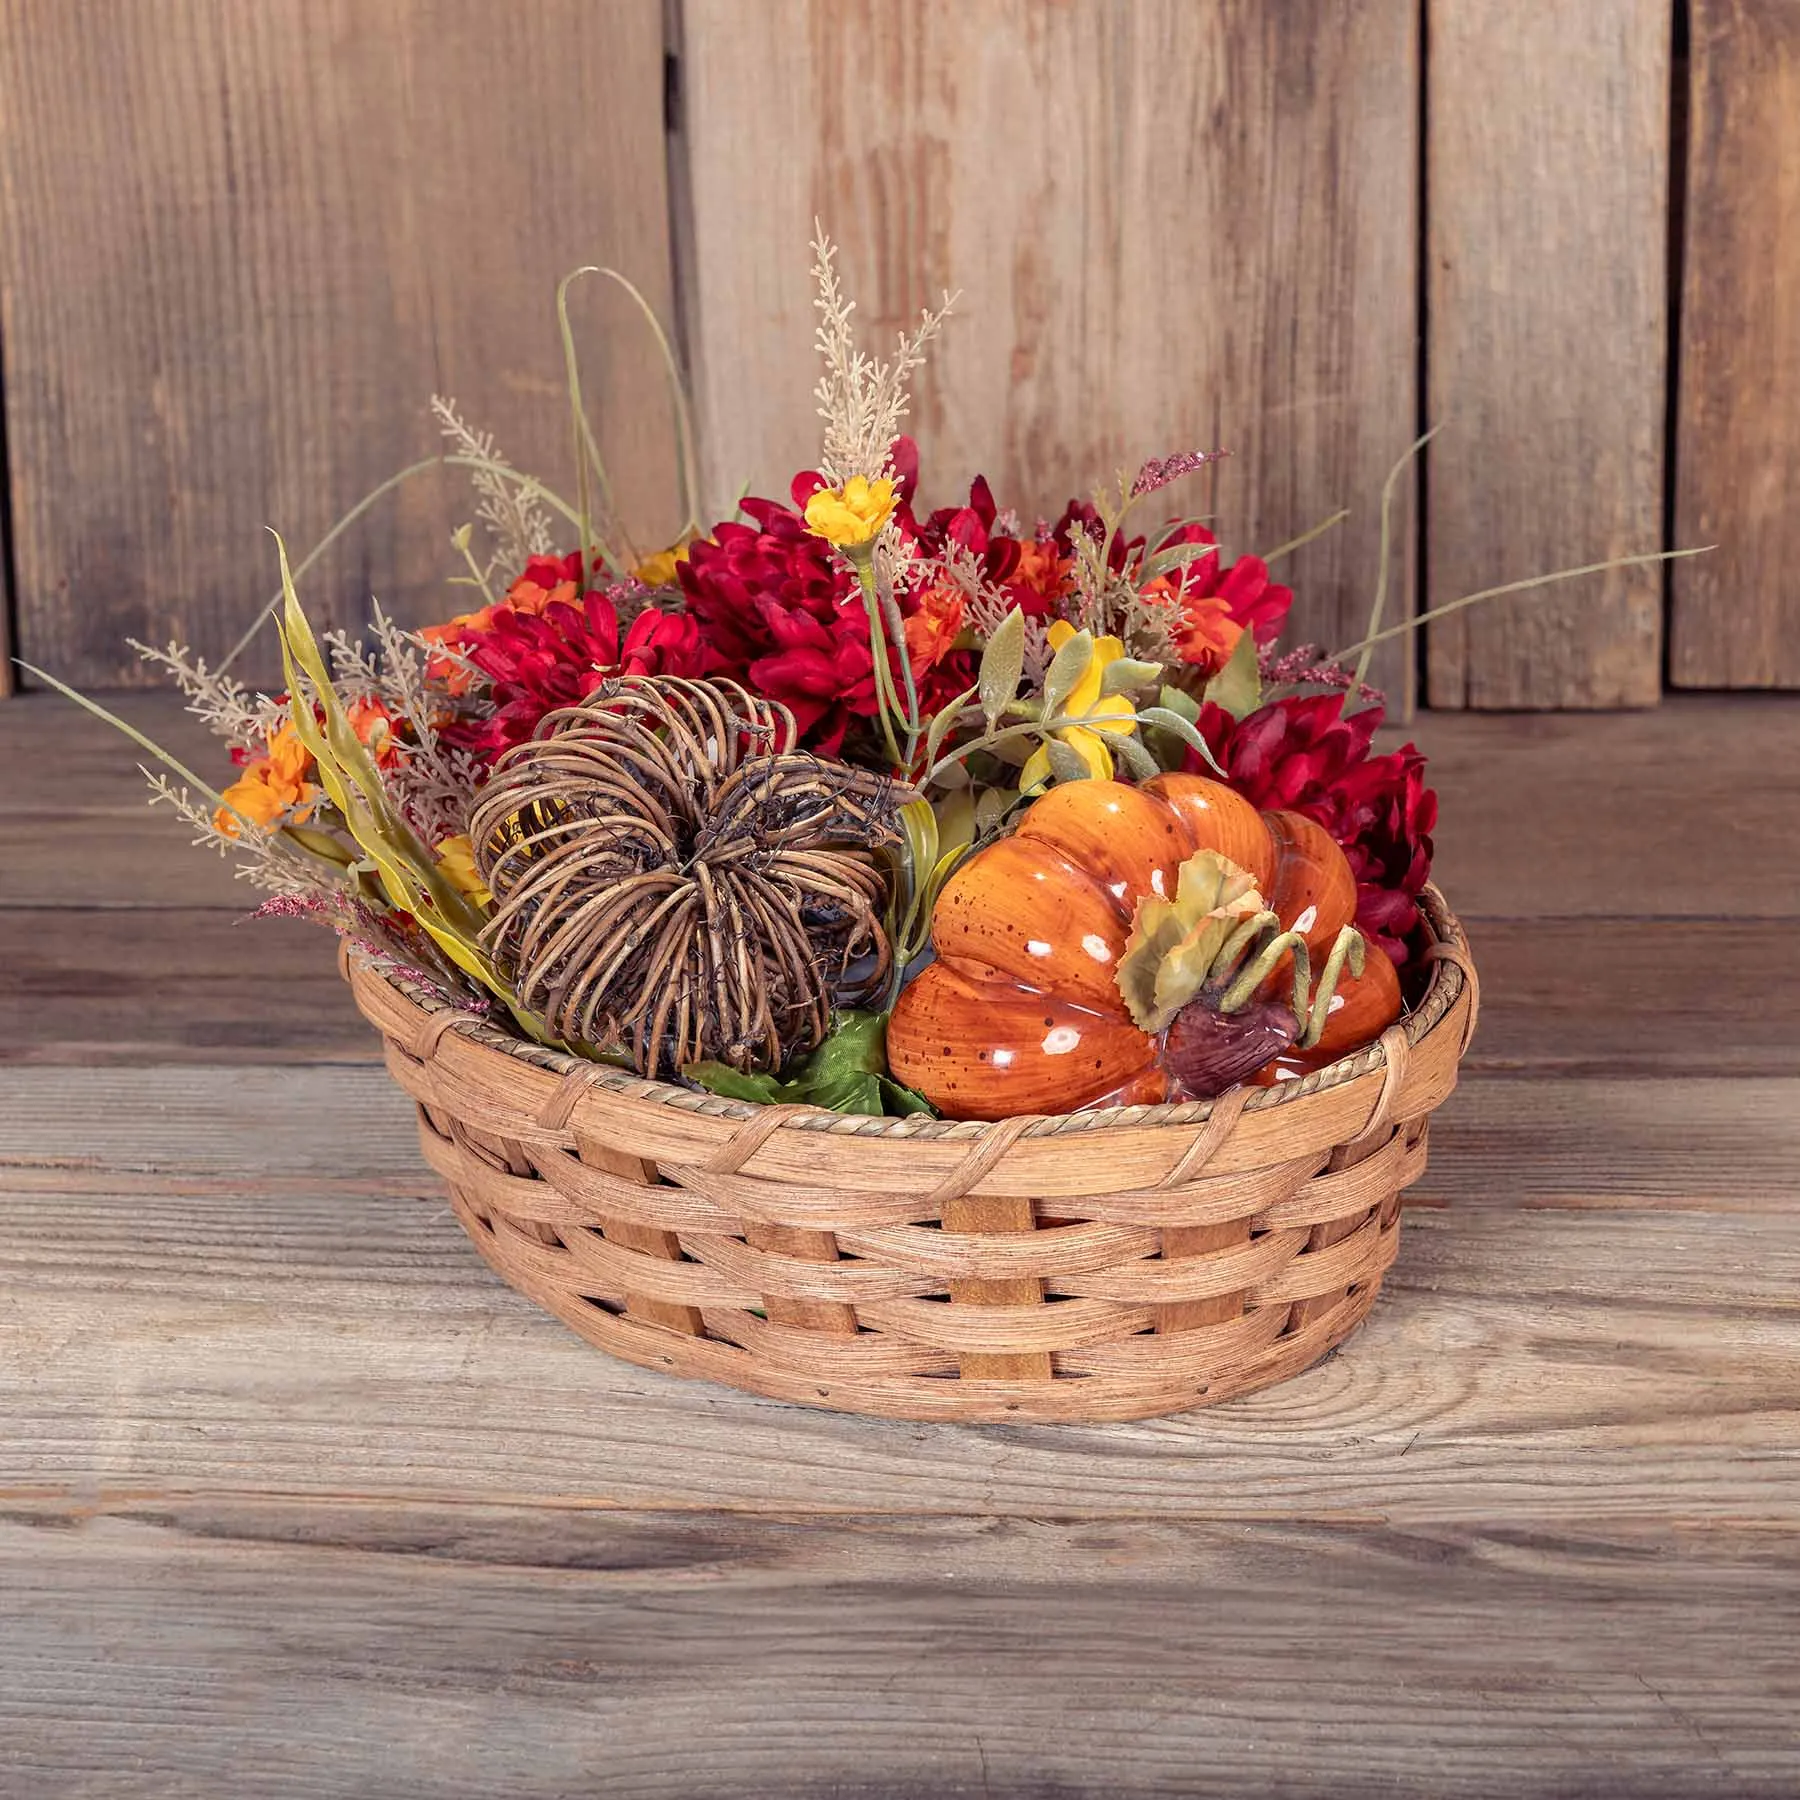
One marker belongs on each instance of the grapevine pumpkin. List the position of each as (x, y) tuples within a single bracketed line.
[(1096, 952)]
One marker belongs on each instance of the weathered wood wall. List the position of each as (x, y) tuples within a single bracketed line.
[(244, 245), (1174, 227), (1547, 190), (1736, 615)]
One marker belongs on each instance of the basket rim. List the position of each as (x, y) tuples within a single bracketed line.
[(1446, 986)]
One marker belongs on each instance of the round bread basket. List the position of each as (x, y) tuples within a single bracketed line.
[(1116, 1264)]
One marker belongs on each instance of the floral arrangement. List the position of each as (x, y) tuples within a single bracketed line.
[(842, 800)]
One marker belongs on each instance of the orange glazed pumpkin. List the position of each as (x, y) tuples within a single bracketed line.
[(1021, 1012)]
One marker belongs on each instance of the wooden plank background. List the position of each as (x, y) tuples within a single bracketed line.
[(297, 1499), (1547, 197), (249, 242), (1736, 614), (1174, 226)]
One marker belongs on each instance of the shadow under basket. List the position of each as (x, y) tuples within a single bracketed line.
[(1107, 1265)]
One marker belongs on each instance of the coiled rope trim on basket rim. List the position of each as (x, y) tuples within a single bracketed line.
[(1455, 971)]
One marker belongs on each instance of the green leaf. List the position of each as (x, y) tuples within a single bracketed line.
[(1165, 718), (1179, 700), (903, 1102), (734, 1084), (944, 719), (847, 1073), (1002, 665), (1066, 764), (1238, 686), (991, 806), (956, 821), (1066, 669), (1125, 675), (1176, 556), (1128, 750)]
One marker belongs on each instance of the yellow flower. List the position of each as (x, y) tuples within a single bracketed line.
[(271, 787), (657, 570), (1111, 712), (456, 863), (852, 515)]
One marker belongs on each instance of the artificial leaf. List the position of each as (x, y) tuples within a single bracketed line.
[(1126, 675), (1238, 686), (1167, 719), (735, 1084), (1179, 700), (1066, 764), (1176, 556), (1002, 665), (1066, 669), (847, 1073), (991, 806), (1138, 761), (944, 719), (1175, 945), (956, 820)]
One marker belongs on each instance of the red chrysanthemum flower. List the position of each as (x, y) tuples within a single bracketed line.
[(1302, 753), (538, 662), (778, 611), (1218, 604)]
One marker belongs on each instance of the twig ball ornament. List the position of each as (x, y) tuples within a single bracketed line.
[(670, 875)]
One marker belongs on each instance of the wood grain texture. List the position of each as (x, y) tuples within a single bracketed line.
[(1547, 196), (174, 984), (1683, 812), (249, 243), (210, 1299), (296, 1499), (280, 1650), (1735, 620), (1582, 996), (1172, 225)]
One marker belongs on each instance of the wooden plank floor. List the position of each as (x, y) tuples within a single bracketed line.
[(297, 1499)]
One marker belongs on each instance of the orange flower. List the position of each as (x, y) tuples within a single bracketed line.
[(1208, 633), (932, 629), (374, 727), (1042, 567), (1202, 628), (271, 788)]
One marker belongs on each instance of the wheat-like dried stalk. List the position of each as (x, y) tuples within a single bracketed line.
[(861, 398)]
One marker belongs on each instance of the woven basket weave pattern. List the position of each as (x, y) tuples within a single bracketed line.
[(1107, 1265)]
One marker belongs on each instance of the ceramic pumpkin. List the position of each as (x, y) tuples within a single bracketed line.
[(1022, 1011)]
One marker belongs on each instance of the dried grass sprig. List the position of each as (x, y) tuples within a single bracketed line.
[(433, 784), (1109, 603), (862, 399), (244, 719), (511, 506)]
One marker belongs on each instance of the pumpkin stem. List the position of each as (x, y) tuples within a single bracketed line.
[(1239, 945), (1262, 966), (1347, 949)]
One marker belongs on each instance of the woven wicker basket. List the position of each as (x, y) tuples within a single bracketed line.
[(1107, 1265)]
